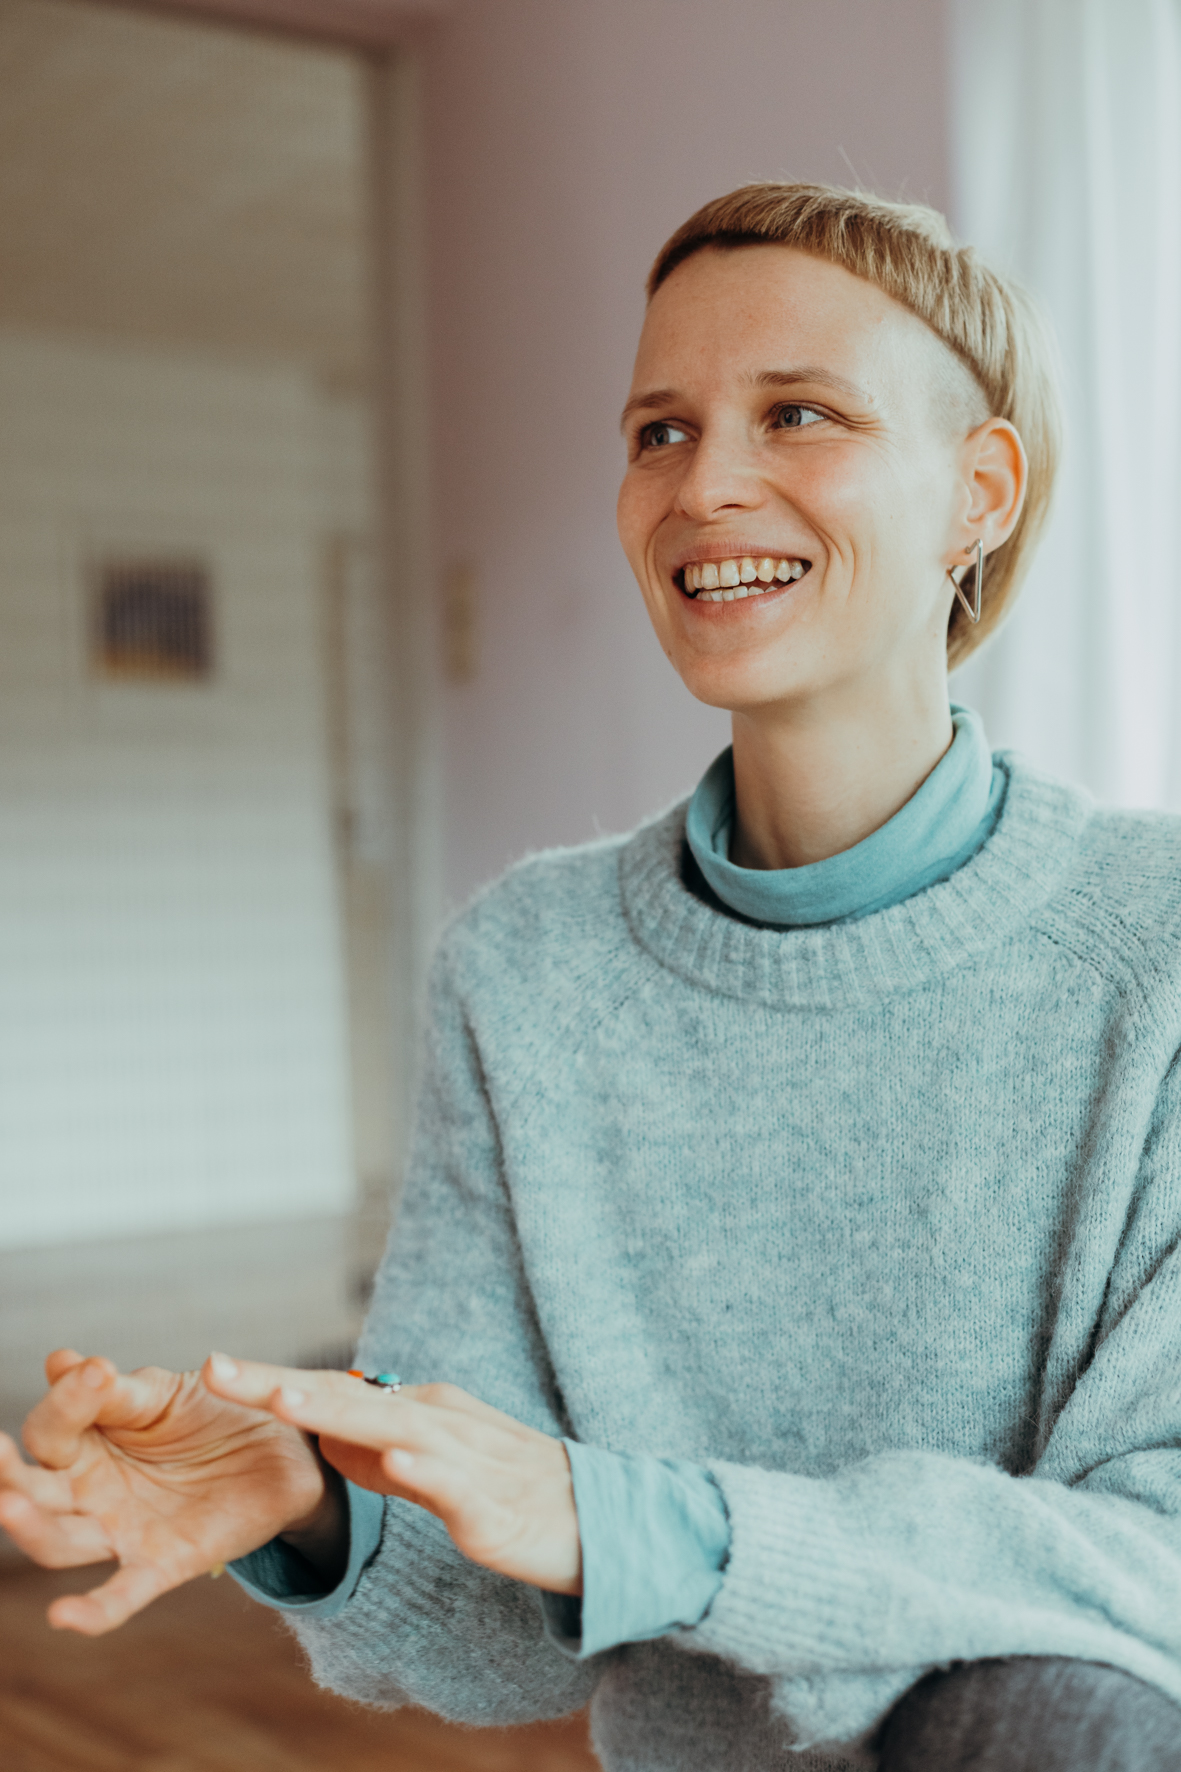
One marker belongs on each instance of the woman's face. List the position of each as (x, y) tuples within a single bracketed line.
[(792, 427)]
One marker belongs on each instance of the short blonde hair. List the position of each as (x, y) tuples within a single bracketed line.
[(987, 321)]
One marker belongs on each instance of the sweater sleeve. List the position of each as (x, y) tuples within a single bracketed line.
[(846, 1590), (277, 1575), (423, 1625)]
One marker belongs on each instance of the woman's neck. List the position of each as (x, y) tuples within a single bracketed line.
[(812, 781)]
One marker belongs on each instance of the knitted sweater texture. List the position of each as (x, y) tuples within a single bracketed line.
[(878, 1222)]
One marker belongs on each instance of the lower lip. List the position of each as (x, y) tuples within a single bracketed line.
[(772, 594)]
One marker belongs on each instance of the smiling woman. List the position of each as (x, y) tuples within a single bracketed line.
[(787, 1290), (857, 497)]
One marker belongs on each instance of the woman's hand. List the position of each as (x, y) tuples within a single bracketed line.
[(153, 1469), (503, 1491)]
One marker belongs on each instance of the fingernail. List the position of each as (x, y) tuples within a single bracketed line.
[(291, 1399), (94, 1376), (404, 1461), (222, 1366)]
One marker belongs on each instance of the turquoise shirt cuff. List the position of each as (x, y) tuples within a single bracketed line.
[(279, 1576), (655, 1538)]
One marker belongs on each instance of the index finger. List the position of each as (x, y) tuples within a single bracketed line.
[(332, 1403), (61, 1361), (255, 1383), (53, 1430)]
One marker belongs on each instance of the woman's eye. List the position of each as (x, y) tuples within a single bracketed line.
[(660, 435), (793, 418)]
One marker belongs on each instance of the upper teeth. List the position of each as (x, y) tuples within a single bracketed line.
[(728, 581)]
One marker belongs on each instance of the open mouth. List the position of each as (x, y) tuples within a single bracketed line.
[(729, 581)]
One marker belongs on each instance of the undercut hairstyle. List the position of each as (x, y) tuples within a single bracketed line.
[(987, 321)]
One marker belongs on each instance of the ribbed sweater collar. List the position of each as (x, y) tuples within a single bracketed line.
[(846, 965)]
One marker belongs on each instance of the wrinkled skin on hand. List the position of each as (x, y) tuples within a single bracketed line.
[(504, 1491), (174, 1473), (149, 1468)]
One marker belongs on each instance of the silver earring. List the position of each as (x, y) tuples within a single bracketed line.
[(972, 609)]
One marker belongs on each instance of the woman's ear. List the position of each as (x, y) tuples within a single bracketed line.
[(996, 474)]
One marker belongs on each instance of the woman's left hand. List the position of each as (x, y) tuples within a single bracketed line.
[(503, 1491)]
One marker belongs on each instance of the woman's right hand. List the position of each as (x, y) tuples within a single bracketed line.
[(151, 1468)]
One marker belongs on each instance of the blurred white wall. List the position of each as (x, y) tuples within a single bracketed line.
[(565, 143), (172, 1007), (190, 874), (172, 1047)]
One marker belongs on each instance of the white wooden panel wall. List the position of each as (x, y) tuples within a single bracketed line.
[(172, 1044)]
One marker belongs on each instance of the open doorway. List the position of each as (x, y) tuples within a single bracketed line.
[(196, 1057)]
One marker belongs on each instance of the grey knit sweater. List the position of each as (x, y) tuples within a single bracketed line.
[(878, 1222)]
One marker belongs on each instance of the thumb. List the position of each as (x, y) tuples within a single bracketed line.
[(104, 1608), (358, 1464)]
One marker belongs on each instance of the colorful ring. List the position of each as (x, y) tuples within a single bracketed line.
[(384, 1381)]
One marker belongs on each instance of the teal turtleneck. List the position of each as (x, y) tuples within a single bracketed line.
[(940, 827)]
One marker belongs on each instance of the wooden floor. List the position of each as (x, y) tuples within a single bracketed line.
[(206, 1681)]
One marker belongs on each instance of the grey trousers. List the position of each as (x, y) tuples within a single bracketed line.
[(1032, 1714)]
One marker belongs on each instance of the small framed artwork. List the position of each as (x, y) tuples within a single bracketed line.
[(152, 620)]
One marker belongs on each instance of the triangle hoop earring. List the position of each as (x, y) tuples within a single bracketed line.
[(972, 609)]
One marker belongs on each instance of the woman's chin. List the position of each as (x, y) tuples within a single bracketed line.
[(740, 685)]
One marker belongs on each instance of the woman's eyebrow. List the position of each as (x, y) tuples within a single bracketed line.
[(640, 402), (811, 375), (814, 376)]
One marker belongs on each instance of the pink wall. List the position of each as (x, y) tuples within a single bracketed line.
[(566, 140)]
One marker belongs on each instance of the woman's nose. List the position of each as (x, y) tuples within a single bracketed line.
[(720, 476)]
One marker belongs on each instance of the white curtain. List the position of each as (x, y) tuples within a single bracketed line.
[(1068, 171)]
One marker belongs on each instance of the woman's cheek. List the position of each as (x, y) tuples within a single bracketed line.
[(630, 519), (835, 490)]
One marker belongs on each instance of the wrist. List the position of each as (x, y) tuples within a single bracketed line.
[(322, 1533)]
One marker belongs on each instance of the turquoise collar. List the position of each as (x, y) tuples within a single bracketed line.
[(940, 827)]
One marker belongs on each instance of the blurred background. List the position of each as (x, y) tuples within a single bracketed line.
[(315, 325), (316, 317)]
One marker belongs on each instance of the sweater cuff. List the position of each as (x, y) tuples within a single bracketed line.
[(655, 1535), (278, 1575), (793, 1540)]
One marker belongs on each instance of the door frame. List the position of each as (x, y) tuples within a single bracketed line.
[(391, 37)]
